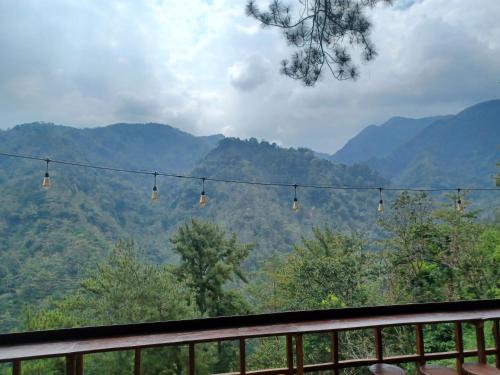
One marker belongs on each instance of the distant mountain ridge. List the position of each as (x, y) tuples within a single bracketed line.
[(379, 141), (148, 146), (435, 152)]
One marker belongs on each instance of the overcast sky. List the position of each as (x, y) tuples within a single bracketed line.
[(204, 67)]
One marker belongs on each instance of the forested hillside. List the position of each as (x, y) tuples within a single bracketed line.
[(382, 140), (434, 152), (50, 239), (93, 249)]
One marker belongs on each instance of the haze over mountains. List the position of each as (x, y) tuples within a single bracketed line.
[(51, 238)]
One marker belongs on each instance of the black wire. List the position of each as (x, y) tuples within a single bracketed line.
[(244, 182)]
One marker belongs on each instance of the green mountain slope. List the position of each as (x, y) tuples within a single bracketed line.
[(463, 149), (50, 239), (263, 215), (458, 150), (380, 141)]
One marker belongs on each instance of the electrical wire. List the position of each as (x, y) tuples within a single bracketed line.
[(242, 182)]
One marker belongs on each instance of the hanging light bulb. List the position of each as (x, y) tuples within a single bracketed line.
[(203, 197), (459, 206), (46, 178), (154, 194), (380, 208), (295, 205)]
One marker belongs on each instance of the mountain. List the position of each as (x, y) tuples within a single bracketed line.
[(50, 239), (379, 141), (141, 146), (462, 149)]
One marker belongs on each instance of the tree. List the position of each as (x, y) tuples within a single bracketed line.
[(323, 32), (209, 261), (328, 270), (123, 289), (412, 250)]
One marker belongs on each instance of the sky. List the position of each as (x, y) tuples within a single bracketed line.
[(205, 67)]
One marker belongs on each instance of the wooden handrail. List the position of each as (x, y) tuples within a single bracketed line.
[(75, 342)]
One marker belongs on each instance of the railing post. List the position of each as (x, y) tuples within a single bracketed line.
[(379, 349), (459, 347), (242, 357), (79, 364), (419, 334), (299, 353), (191, 359), (335, 352), (16, 367), (70, 364), (496, 336), (289, 354), (137, 361), (481, 347)]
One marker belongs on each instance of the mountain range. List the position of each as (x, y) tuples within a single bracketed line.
[(433, 151), (51, 238)]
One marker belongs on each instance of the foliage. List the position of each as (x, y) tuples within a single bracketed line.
[(323, 32), (52, 239), (327, 271), (208, 262), (123, 289), (411, 250), (437, 255)]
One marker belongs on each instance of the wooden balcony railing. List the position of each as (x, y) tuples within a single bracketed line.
[(75, 343)]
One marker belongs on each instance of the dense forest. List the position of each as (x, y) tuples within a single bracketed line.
[(50, 239), (430, 253), (93, 249)]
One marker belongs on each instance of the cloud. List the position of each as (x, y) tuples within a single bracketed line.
[(248, 74), (207, 68)]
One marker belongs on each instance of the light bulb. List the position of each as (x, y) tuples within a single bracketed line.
[(203, 199), (295, 205), (154, 194), (46, 181), (380, 208)]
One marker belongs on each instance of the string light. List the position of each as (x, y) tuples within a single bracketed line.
[(380, 208), (46, 178), (295, 205), (459, 206), (203, 197), (154, 194)]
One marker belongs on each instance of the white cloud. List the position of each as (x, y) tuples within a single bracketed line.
[(207, 68), (249, 74)]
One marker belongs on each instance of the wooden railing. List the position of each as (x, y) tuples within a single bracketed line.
[(75, 343)]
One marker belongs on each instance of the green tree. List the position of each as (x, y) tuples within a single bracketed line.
[(209, 262), (412, 251), (325, 271), (123, 289), (328, 270)]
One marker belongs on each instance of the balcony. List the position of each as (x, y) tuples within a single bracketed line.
[(75, 343)]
